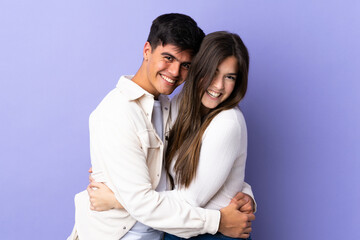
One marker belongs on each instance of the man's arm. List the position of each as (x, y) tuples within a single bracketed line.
[(103, 199), (116, 149)]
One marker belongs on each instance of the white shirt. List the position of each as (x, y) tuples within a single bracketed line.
[(157, 121), (140, 231), (221, 170), (126, 154)]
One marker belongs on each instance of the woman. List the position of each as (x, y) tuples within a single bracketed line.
[(208, 142), (207, 147)]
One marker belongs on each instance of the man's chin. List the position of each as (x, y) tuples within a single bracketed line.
[(168, 91)]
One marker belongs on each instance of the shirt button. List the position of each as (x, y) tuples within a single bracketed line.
[(158, 175), (166, 108), (147, 114), (124, 228)]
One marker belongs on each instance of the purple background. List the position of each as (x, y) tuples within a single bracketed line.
[(58, 59)]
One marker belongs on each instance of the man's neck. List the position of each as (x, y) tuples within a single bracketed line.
[(141, 79)]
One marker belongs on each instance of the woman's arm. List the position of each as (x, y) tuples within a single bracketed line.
[(101, 197), (224, 141), (246, 188), (222, 161)]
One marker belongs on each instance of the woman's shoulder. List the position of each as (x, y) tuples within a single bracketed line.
[(228, 124), (230, 115), (227, 121)]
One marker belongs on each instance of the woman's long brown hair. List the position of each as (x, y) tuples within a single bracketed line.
[(186, 135)]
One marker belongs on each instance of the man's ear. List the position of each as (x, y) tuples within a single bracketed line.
[(147, 51)]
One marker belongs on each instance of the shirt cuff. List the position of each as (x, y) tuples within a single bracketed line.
[(250, 193), (212, 221)]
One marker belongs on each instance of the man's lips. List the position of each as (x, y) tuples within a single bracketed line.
[(167, 79)]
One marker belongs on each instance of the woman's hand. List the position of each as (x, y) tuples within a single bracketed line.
[(101, 196), (247, 205), (234, 223)]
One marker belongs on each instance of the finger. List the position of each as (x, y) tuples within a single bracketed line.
[(248, 224), (94, 184), (238, 196), (251, 217), (251, 202), (247, 208), (247, 230), (243, 199), (91, 179), (239, 203), (244, 235), (234, 205), (90, 170), (89, 189)]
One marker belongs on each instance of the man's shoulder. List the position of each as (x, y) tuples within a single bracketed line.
[(114, 100), (116, 105)]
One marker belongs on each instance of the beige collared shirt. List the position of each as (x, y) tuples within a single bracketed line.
[(126, 154)]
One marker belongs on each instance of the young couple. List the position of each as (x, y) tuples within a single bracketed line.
[(142, 144)]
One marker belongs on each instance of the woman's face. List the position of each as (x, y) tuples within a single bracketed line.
[(222, 84)]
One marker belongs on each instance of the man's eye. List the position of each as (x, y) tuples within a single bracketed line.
[(186, 65), (169, 58)]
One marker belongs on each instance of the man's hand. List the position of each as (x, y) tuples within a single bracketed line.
[(234, 223)]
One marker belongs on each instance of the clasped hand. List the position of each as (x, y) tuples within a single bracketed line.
[(235, 218)]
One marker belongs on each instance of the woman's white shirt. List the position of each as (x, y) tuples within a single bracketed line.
[(221, 170)]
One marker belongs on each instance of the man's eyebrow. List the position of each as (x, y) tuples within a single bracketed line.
[(170, 55)]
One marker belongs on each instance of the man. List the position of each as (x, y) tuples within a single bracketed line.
[(126, 146)]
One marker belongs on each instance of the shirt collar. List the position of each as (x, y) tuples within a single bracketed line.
[(134, 91), (131, 89)]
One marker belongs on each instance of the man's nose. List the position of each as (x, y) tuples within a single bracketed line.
[(174, 69)]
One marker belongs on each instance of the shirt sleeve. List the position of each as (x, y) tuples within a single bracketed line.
[(247, 189), (116, 148), (221, 147)]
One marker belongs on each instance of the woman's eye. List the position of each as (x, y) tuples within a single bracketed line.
[(231, 77)]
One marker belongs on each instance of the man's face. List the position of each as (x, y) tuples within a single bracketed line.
[(166, 68)]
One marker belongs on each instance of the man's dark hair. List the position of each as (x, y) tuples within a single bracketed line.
[(176, 29)]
